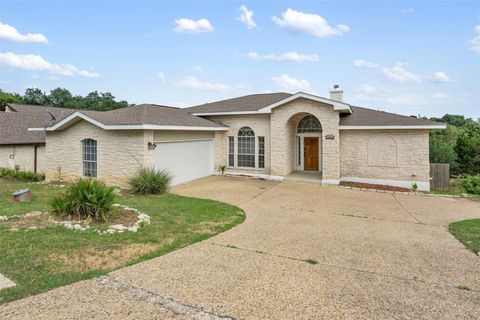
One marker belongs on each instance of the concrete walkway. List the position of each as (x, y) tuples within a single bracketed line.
[(373, 256)]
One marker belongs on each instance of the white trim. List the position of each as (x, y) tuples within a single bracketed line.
[(127, 126), (331, 181), (422, 185), (337, 106), (440, 126), (184, 140), (36, 129)]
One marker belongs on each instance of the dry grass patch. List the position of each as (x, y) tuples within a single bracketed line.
[(94, 258)]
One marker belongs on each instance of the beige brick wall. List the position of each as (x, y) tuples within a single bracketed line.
[(260, 124), (23, 155), (119, 153), (284, 120), (381, 154)]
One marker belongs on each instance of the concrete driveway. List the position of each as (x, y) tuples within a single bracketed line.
[(378, 256)]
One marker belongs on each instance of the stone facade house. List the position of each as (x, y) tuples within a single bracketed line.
[(274, 135)]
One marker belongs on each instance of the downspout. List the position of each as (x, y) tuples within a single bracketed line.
[(35, 158)]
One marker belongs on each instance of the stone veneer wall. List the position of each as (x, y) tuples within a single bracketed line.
[(283, 125), (23, 156), (260, 124), (119, 153), (381, 154)]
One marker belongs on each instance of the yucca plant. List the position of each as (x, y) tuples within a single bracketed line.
[(84, 198), (150, 181)]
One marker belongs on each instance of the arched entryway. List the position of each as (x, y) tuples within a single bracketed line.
[(308, 144)]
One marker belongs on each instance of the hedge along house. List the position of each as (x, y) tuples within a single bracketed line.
[(267, 135)]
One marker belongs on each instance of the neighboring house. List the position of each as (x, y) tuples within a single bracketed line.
[(268, 135), (19, 148)]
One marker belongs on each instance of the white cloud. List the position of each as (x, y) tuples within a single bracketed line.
[(37, 63), (161, 77), (312, 24), (359, 63), (474, 43), (9, 33), (441, 77), (400, 74), (440, 96), (197, 69), (408, 10), (368, 89), (287, 82), (185, 25), (407, 99), (246, 17), (291, 56), (194, 83)]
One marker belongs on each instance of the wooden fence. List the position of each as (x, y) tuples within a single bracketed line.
[(440, 174)]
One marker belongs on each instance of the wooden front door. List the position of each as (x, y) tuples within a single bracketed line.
[(310, 153)]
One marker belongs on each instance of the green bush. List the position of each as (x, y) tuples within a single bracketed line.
[(21, 175), (85, 198), (471, 184), (150, 181)]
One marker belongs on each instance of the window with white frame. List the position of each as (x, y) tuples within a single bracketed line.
[(231, 151), (89, 158), (261, 152), (246, 148)]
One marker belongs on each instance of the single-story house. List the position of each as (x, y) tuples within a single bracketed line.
[(269, 135)]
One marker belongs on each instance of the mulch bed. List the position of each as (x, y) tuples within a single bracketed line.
[(374, 186)]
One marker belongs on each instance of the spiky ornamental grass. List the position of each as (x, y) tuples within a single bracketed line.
[(84, 198), (150, 181)]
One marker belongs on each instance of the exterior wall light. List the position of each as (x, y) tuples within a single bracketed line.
[(152, 146)]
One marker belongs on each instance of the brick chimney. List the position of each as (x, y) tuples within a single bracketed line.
[(336, 94)]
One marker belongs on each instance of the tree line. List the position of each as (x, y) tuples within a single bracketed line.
[(63, 98), (458, 144)]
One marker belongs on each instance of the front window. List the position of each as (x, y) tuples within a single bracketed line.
[(89, 158), (261, 152), (246, 148), (231, 149), (309, 124)]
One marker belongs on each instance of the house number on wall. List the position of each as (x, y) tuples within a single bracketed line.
[(329, 137)]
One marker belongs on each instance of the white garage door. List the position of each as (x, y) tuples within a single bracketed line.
[(185, 160)]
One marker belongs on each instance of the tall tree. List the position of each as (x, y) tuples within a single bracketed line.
[(7, 97), (35, 96)]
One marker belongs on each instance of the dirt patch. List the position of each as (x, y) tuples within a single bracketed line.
[(120, 216), (32, 220), (374, 186), (94, 258)]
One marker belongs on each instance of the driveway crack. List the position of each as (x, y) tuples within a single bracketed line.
[(405, 208), (177, 307)]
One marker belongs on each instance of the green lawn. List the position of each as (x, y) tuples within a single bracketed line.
[(468, 233), (38, 260)]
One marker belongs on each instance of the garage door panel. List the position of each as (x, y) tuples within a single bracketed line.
[(186, 161)]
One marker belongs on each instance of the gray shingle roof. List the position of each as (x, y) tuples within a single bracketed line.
[(359, 116), (369, 117), (251, 102), (150, 114), (14, 125)]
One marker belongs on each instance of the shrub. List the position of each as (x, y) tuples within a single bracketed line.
[(21, 175), (221, 168), (414, 187), (471, 184), (85, 198), (150, 181)]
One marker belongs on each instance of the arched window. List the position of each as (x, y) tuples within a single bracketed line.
[(246, 148), (309, 124), (89, 158)]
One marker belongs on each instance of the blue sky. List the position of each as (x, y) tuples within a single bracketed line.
[(405, 57)]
